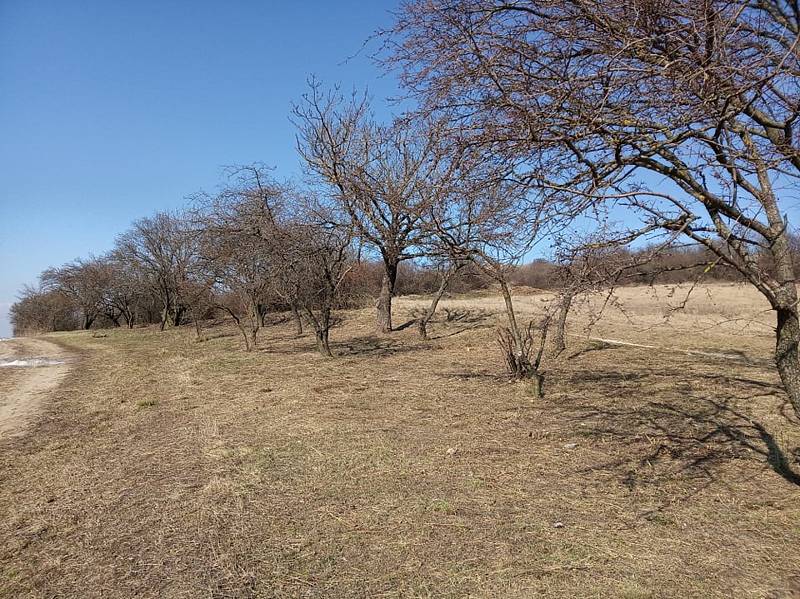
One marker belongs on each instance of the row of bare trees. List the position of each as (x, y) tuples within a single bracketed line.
[(254, 246), (589, 125)]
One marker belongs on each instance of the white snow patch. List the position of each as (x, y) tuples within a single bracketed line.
[(30, 362)]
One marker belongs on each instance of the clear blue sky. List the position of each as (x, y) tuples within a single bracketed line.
[(111, 110)]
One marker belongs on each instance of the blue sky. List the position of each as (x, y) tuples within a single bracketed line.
[(112, 110)]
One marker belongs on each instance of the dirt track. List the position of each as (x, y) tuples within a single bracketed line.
[(26, 388)]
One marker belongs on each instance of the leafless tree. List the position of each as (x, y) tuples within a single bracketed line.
[(40, 310), (683, 113), (84, 282), (377, 175), (478, 216), (241, 233), (588, 265), (316, 260), (163, 249), (125, 294), (447, 271)]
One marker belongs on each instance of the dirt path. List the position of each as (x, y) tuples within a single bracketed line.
[(23, 389)]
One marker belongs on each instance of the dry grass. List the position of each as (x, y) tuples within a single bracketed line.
[(171, 468)]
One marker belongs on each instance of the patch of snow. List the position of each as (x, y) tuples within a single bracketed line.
[(29, 362)]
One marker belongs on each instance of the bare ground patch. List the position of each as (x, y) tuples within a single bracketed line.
[(37, 367)]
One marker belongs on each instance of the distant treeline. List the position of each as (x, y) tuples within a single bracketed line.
[(106, 292)]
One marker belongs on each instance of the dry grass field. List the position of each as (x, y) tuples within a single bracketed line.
[(167, 467)]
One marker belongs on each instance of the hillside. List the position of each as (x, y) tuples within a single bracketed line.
[(164, 466)]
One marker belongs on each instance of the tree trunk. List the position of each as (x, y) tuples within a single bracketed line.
[(384, 302), (536, 384), (254, 337), (298, 322), (261, 315), (422, 323), (245, 336), (784, 302), (164, 316), (422, 328), (561, 325), (197, 327), (787, 357), (323, 346), (87, 321), (523, 367)]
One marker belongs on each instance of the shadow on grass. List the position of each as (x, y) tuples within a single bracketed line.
[(372, 345), (472, 319), (498, 378), (465, 315), (405, 325), (593, 346), (692, 437)]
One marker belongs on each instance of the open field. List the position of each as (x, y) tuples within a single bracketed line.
[(167, 467)]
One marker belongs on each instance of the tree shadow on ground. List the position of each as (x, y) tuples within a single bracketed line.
[(591, 347), (692, 437), (463, 315), (497, 378), (472, 320), (371, 345), (405, 325), (209, 334)]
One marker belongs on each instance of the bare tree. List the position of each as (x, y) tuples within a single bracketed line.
[(480, 217), (241, 233), (601, 101), (447, 271), (587, 265), (126, 292), (314, 260), (40, 310), (163, 249), (377, 174), (84, 282)]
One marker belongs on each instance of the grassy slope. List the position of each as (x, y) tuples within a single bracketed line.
[(171, 468)]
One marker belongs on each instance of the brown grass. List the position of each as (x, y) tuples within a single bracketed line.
[(166, 467)]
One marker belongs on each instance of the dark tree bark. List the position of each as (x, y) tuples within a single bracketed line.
[(298, 321), (521, 366), (787, 357), (424, 320), (262, 315), (129, 319), (384, 301), (561, 324), (197, 325), (247, 343), (164, 316), (322, 342), (322, 327)]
